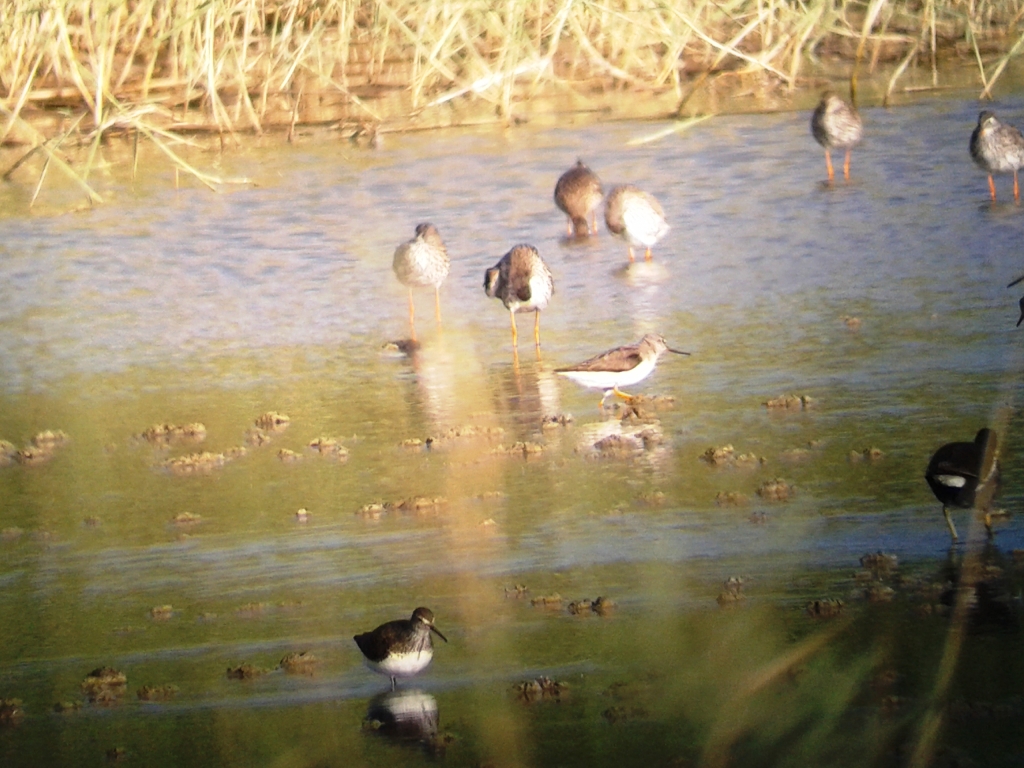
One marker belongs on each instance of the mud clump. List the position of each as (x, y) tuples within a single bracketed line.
[(826, 608), (541, 689), (417, 505), (726, 456), (866, 454), (879, 564), (8, 453), (11, 711), (105, 685), (790, 403), (245, 672), (257, 437), (556, 421), (732, 592), (272, 421), (547, 601), (602, 606), (731, 499), (776, 490), (329, 447), (164, 434), (195, 463), (304, 663), (522, 448), (157, 692)]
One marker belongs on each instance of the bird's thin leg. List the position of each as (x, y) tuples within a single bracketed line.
[(437, 303), (631, 257), (515, 333), (412, 317), (992, 187), (536, 328), (846, 166), (828, 165), (607, 393), (593, 224), (568, 228), (392, 682), (949, 522), (647, 254), (618, 393), (1016, 189), (988, 522)]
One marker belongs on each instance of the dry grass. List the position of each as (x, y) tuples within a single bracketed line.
[(165, 68)]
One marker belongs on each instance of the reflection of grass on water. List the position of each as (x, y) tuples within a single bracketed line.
[(149, 67)]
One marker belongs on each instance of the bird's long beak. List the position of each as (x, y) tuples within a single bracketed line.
[(1015, 281), (677, 351), (437, 631)]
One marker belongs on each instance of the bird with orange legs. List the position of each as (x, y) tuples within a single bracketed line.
[(523, 282), (636, 217), (422, 262), (836, 125), (997, 148)]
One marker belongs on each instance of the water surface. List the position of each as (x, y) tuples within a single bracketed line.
[(184, 306)]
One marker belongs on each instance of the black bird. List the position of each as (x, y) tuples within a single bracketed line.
[(1021, 303), (964, 474), (400, 648)]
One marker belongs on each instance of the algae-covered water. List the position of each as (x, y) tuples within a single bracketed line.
[(746, 630)]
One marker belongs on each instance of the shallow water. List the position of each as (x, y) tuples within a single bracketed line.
[(183, 306)]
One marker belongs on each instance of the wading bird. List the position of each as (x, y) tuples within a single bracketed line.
[(636, 217), (966, 475), (997, 148), (619, 367), (523, 282), (422, 262), (578, 194), (400, 648), (836, 125)]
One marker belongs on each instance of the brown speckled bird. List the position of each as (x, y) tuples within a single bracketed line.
[(422, 262), (636, 217), (578, 193), (836, 125), (523, 282), (997, 148)]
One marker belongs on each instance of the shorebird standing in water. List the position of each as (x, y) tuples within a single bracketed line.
[(963, 474), (1021, 318), (636, 217), (422, 262), (578, 193), (997, 148), (400, 648), (620, 367), (523, 282), (836, 125)]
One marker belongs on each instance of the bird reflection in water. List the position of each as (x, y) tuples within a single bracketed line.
[(978, 589), (406, 717)]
